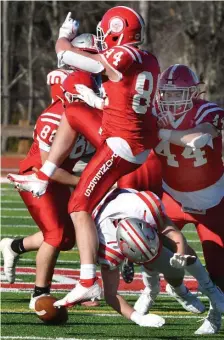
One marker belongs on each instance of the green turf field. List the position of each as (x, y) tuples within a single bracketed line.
[(17, 322)]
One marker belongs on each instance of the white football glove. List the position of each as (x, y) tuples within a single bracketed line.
[(149, 320), (89, 96), (69, 28), (181, 261), (201, 141)]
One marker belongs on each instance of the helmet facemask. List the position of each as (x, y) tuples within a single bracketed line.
[(176, 100), (100, 37)]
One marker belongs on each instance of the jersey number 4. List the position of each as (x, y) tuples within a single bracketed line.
[(163, 149)]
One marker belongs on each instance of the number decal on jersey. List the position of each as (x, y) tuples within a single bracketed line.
[(45, 131), (163, 149), (141, 100), (197, 154), (79, 148), (117, 56)]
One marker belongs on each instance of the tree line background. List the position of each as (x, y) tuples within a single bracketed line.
[(190, 32)]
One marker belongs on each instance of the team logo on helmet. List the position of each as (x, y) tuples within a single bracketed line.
[(116, 25)]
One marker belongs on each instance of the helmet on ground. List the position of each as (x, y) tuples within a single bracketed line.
[(120, 25), (178, 85), (138, 240)]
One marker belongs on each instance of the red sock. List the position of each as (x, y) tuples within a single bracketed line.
[(88, 282), (42, 176)]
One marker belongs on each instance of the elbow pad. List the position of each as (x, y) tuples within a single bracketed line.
[(79, 61)]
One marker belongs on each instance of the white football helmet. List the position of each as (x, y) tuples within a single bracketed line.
[(86, 42), (138, 240)]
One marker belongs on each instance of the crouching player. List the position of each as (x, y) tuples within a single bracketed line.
[(133, 224)]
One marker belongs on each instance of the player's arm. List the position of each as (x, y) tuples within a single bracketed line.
[(111, 279), (196, 137), (172, 237), (60, 175), (110, 62)]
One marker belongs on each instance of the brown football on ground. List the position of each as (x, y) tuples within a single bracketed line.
[(48, 313)]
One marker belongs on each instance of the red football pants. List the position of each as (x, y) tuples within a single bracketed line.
[(210, 229), (85, 120), (50, 212), (104, 169), (147, 177)]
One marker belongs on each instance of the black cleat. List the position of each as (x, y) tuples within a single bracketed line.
[(127, 271)]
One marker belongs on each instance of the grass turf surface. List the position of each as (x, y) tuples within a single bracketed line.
[(18, 322)]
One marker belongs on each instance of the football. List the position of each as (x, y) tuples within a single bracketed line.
[(48, 313)]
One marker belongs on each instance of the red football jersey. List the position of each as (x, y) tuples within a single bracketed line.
[(127, 114), (44, 132), (47, 125), (185, 169)]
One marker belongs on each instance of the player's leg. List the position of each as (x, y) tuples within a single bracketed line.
[(175, 287), (104, 169), (78, 118), (211, 233), (50, 214), (12, 248)]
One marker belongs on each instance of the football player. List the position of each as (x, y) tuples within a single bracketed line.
[(133, 224), (50, 212), (190, 152), (130, 81)]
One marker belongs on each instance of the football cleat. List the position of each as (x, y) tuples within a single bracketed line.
[(29, 183), (34, 299), (10, 259), (212, 323), (188, 301), (215, 295), (79, 294), (146, 299), (127, 271)]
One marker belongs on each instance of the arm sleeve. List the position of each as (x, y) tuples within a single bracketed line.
[(79, 61)]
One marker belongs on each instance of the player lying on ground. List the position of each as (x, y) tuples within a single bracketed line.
[(50, 212)]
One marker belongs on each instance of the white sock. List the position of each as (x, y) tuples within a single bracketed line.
[(150, 278), (87, 271), (48, 168), (200, 274), (180, 290)]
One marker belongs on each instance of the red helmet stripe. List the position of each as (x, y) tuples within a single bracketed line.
[(139, 237), (153, 205), (104, 248)]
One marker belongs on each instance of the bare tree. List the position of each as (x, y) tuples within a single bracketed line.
[(30, 55)]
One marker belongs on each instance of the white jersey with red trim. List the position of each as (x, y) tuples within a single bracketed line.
[(119, 204), (195, 178), (127, 111)]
